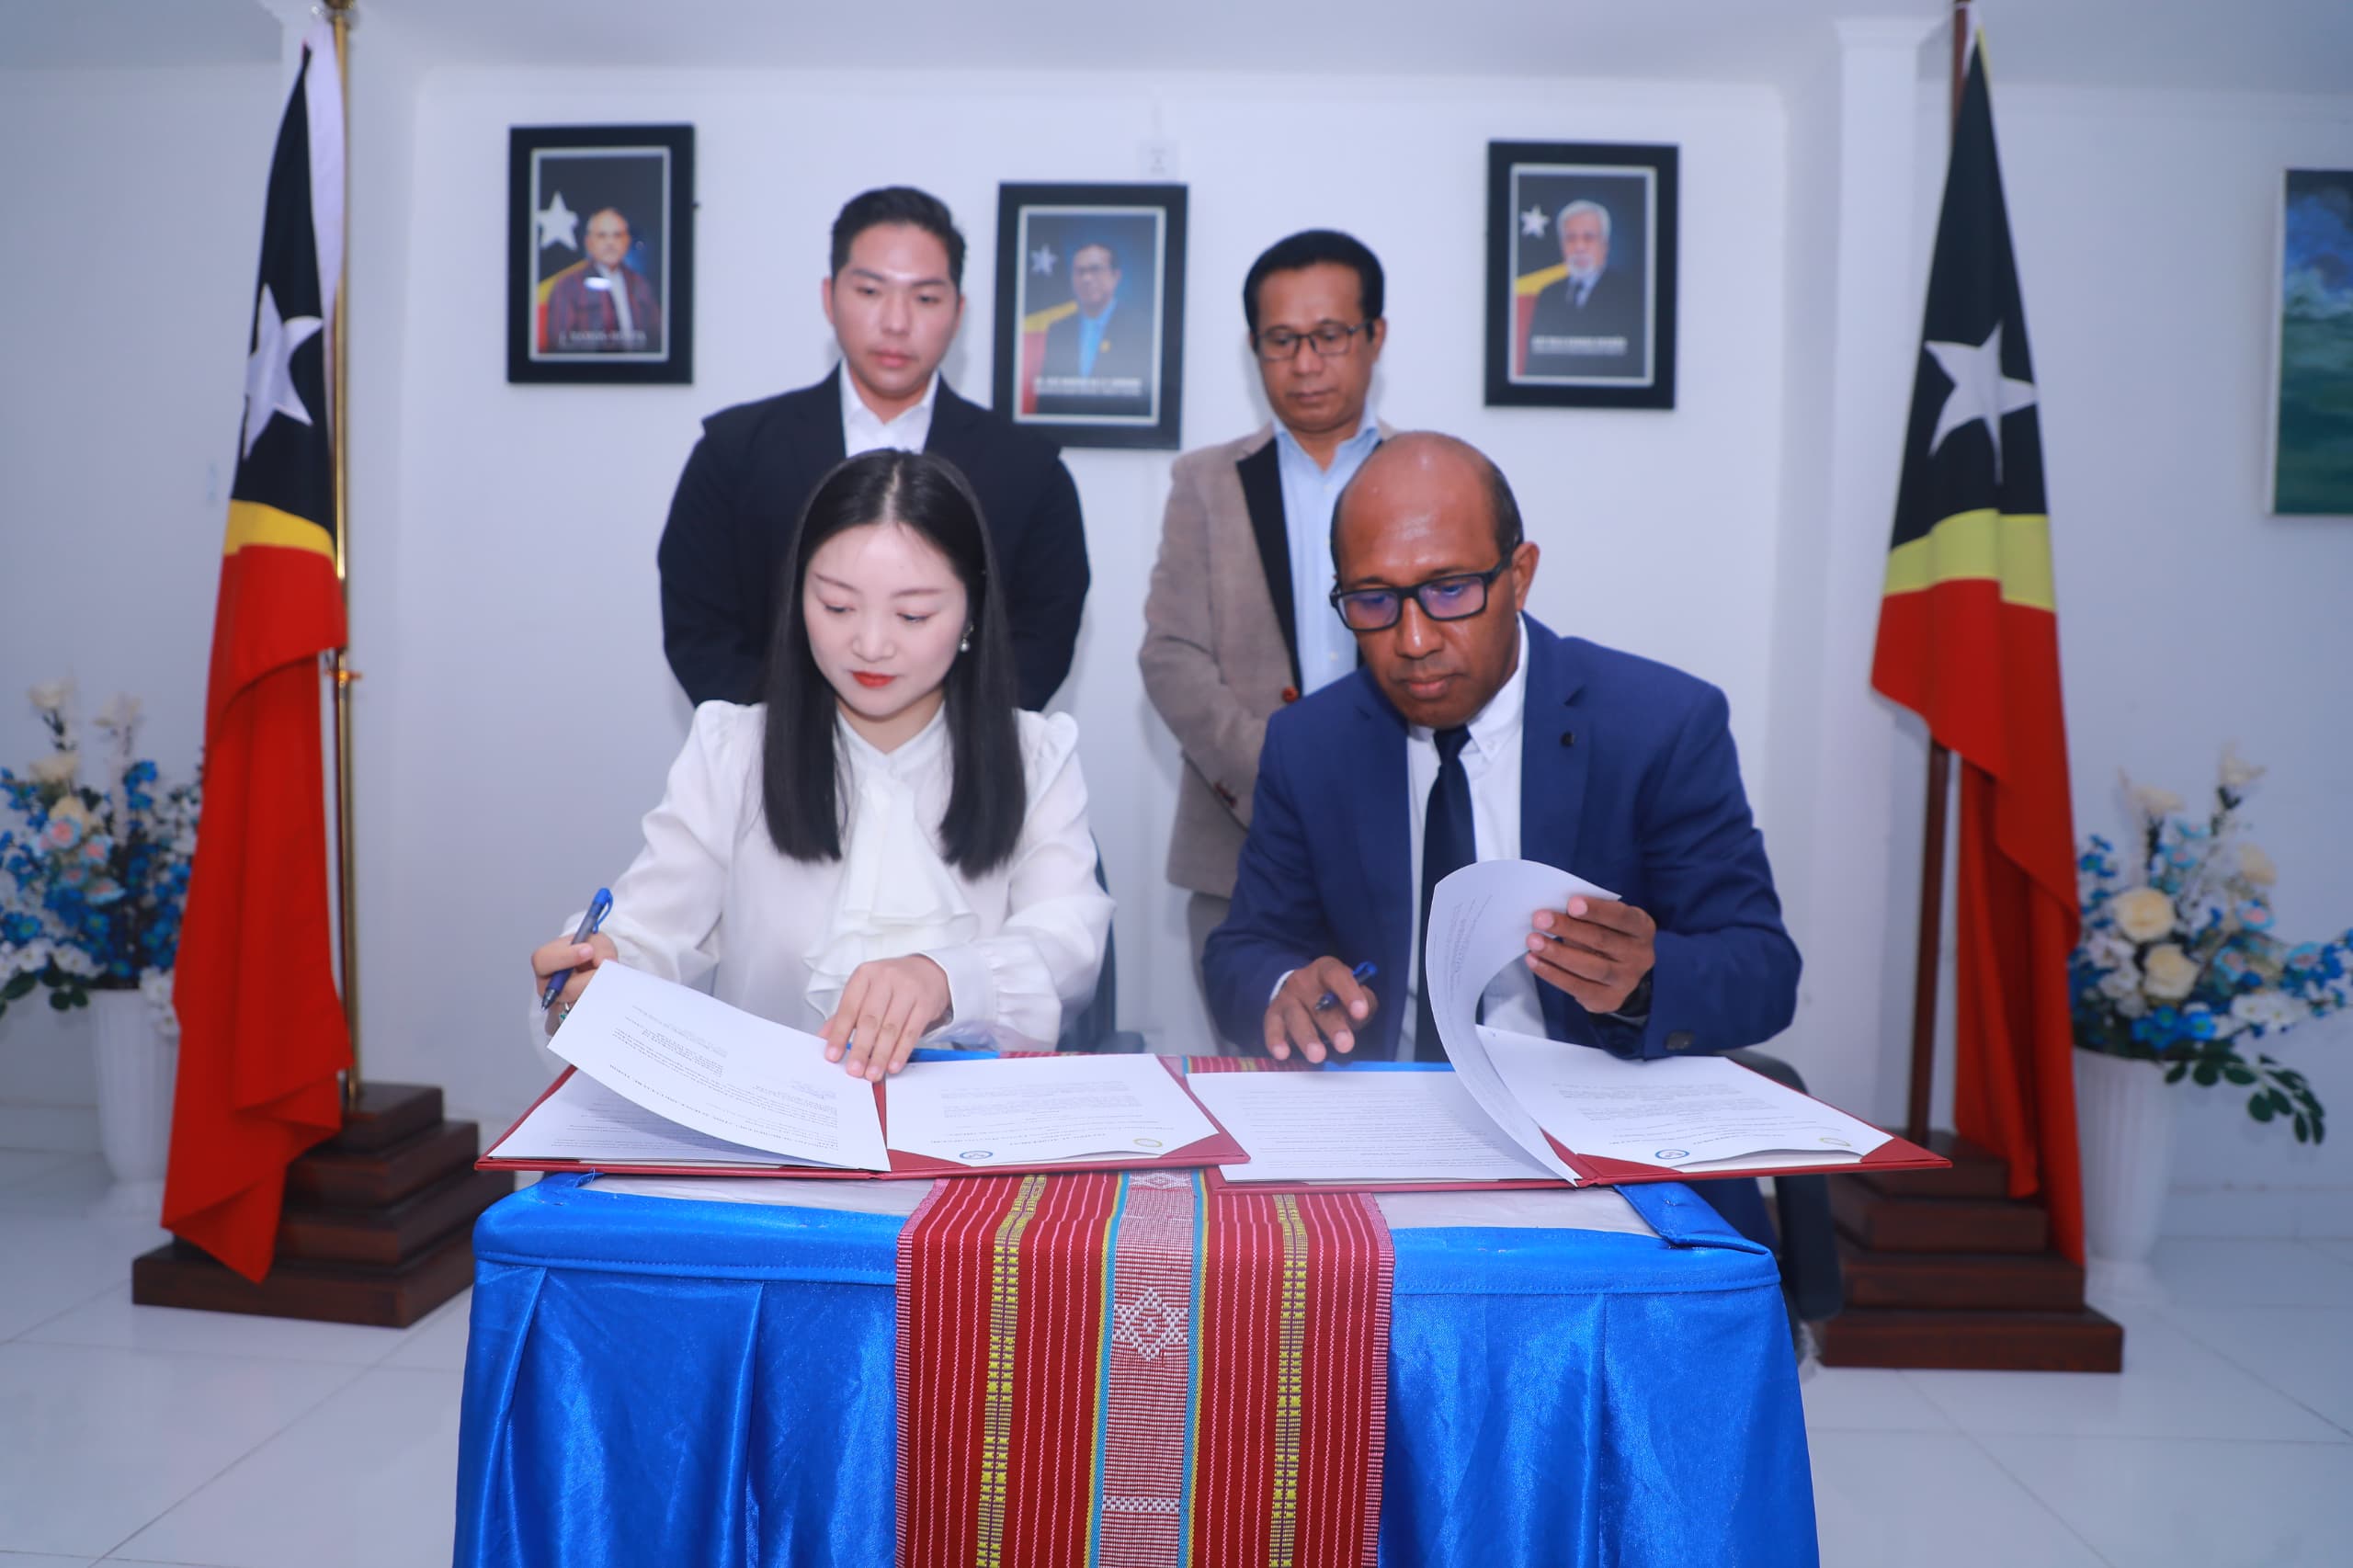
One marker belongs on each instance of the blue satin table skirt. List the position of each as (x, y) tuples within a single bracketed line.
[(652, 1380)]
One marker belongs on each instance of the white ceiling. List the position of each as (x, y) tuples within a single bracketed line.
[(2300, 46)]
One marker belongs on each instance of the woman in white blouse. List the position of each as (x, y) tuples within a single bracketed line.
[(887, 847)]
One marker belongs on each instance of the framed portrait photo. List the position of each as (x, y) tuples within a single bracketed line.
[(1090, 311), (1580, 275), (600, 251), (2311, 385)]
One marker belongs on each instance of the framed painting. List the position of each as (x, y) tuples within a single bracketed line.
[(1580, 275), (1090, 311), (2311, 391), (601, 253)]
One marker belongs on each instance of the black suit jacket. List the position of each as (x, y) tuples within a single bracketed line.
[(1124, 353), (1612, 308), (732, 521)]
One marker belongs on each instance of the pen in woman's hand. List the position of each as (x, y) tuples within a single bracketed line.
[(598, 907)]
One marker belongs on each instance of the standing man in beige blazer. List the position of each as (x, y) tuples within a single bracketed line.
[(1238, 622)]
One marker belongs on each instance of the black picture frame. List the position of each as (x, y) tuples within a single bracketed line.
[(1037, 380), (561, 181), (1612, 345)]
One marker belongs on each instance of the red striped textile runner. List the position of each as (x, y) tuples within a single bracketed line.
[(1099, 1369)]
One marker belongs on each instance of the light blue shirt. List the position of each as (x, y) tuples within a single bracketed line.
[(1326, 649), (1090, 337)]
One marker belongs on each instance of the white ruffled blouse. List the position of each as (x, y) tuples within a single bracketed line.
[(711, 894)]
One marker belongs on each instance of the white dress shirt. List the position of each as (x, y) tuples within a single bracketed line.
[(863, 430), (1327, 649), (1490, 758), (711, 894)]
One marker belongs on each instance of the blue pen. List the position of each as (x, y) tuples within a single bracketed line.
[(598, 907), (1362, 972)]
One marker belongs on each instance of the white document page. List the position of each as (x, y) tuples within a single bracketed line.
[(585, 1121), (1480, 920), (694, 1060), (1693, 1113), (1023, 1110), (1361, 1126)]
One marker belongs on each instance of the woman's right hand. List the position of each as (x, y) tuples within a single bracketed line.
[(581, 958)]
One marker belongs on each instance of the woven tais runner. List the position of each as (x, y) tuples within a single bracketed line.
[(1098, 1368)]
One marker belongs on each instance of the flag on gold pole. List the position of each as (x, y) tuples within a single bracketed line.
[(262, 1032), (1969, 639)]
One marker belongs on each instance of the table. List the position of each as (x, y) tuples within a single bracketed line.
[(1576, 1378)]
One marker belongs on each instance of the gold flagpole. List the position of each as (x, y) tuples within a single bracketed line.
[(340, 671)]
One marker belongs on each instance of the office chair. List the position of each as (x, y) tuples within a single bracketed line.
[(1096, 1027), (1808, 1249)]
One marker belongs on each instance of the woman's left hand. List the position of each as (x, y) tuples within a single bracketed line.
[(888, 1005)]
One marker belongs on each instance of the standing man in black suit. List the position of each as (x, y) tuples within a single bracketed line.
[(1589, 323), (895, 297)]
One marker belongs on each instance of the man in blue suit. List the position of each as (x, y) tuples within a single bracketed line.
[(1471, 732), (1467, 732)]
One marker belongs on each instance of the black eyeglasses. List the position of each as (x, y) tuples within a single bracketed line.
[(1456, 596), (1331, 339)]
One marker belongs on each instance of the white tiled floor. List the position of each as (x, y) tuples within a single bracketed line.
[(142, 1434)]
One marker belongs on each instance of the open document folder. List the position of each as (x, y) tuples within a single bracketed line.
[(1521, 1111), (666, 1080)]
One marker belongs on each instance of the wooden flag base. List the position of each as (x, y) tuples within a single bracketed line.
[(378, 1227), (1943, 1268)]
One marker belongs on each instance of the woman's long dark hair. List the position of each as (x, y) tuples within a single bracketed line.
[(988, 796)]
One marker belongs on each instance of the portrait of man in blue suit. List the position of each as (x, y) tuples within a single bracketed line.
[(1471, 725)]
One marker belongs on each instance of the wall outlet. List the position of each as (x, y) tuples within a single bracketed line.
[(1156, 158)]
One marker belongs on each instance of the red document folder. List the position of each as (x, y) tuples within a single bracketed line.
[(1896, 1155), (1218, 1149)]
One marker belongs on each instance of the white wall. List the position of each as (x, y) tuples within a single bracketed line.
[(516, 718), (2145, 225), (519, 674), (135, 199)]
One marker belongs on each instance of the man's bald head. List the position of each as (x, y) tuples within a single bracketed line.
[(1426, 462), (1426, 536)]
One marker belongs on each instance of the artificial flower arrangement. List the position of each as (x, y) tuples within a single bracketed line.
[(94, 865), (2178, 962)]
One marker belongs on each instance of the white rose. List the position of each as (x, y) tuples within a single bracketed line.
[(2236, 772), (2152, 802), (52, 696), (2108, 951), (71, 808), (57, 768), (2256, 866), (2171, 973), (2142, 913), (120, 715), (2268, 1009)]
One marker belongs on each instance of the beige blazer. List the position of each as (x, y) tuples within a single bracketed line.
[(1219, 650)]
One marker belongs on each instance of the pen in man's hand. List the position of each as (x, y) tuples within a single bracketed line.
[(1362, 972), (598, 907)]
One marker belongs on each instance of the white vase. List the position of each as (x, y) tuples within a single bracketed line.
[(2124, 1112), (136, 1065)]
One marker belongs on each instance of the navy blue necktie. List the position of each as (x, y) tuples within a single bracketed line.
[(1448, 845)]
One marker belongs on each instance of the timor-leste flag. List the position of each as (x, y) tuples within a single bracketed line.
[(1968, 639), (1034, 327), (262, 1034)]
